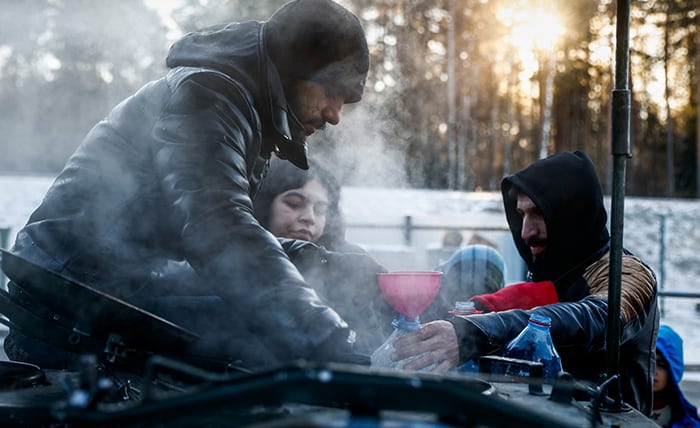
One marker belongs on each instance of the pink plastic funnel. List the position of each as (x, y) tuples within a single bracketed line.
[(410, 293)]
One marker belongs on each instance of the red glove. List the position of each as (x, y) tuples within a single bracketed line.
[(525, 295)]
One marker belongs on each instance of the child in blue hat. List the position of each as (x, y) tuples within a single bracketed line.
[(671, 408)]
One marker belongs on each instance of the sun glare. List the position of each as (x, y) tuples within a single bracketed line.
[(533, 32)]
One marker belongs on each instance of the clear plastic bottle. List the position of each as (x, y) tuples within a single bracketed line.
[(534, 343), (463, 309), (381, 357)]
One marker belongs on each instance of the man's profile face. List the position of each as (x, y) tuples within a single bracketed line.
[(534, 230), (314, 105)]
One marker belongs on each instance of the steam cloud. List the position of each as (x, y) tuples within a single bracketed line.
[(360, 149)]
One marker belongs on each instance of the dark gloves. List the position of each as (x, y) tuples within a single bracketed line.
[(525, 295), (335, 275), (300, 252), (347, 282)]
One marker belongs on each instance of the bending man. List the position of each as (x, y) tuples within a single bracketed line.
[(155, 206)]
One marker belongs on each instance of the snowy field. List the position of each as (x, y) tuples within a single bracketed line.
[(666, 233)]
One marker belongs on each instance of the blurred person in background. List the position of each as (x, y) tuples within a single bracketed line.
[(472, 270), (452, 239), (671, 408), (557, 218), (155, 206)]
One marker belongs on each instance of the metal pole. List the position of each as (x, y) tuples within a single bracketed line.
[(662, 257), (407, 230), (620, 148)]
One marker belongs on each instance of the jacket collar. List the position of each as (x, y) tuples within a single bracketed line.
[(279, 137)]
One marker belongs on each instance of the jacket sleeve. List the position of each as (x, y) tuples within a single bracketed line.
[(348, 281), (638, 285), (203, 138), (581, 324)]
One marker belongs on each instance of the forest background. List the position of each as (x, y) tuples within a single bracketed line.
[(459, 94)]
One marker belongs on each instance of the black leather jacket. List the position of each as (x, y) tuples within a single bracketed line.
[(168, 176), (347, 280), (566, 190)]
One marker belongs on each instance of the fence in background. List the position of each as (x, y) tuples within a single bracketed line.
[(410, 225), (414, 242)]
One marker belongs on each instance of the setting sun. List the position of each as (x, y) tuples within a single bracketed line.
[(532, 31)]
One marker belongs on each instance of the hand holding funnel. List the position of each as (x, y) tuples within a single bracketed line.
[(410, 293)]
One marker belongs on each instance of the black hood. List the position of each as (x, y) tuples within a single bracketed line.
[(233, 49), (566, 190), (238, 50)]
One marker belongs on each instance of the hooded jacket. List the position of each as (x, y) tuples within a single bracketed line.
[(670, 345), (168, 176), (566, 190)]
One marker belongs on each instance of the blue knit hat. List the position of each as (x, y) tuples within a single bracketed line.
[(475, 269)]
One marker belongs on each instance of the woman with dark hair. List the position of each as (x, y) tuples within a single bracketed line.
[(302, 204), (301, 208)]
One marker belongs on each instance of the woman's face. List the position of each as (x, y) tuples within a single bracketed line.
[(300, 213)]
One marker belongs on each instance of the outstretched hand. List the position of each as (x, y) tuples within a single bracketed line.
[(434, 343)]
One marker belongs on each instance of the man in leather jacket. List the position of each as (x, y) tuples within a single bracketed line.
[(156, 201), (556, 215)]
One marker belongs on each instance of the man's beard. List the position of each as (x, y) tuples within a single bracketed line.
[(540, 258), (296, 128)]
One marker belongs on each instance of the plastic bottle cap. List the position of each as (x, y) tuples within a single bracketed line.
[(541, 320)]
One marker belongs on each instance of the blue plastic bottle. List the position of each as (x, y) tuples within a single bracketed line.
[(534, 343)]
